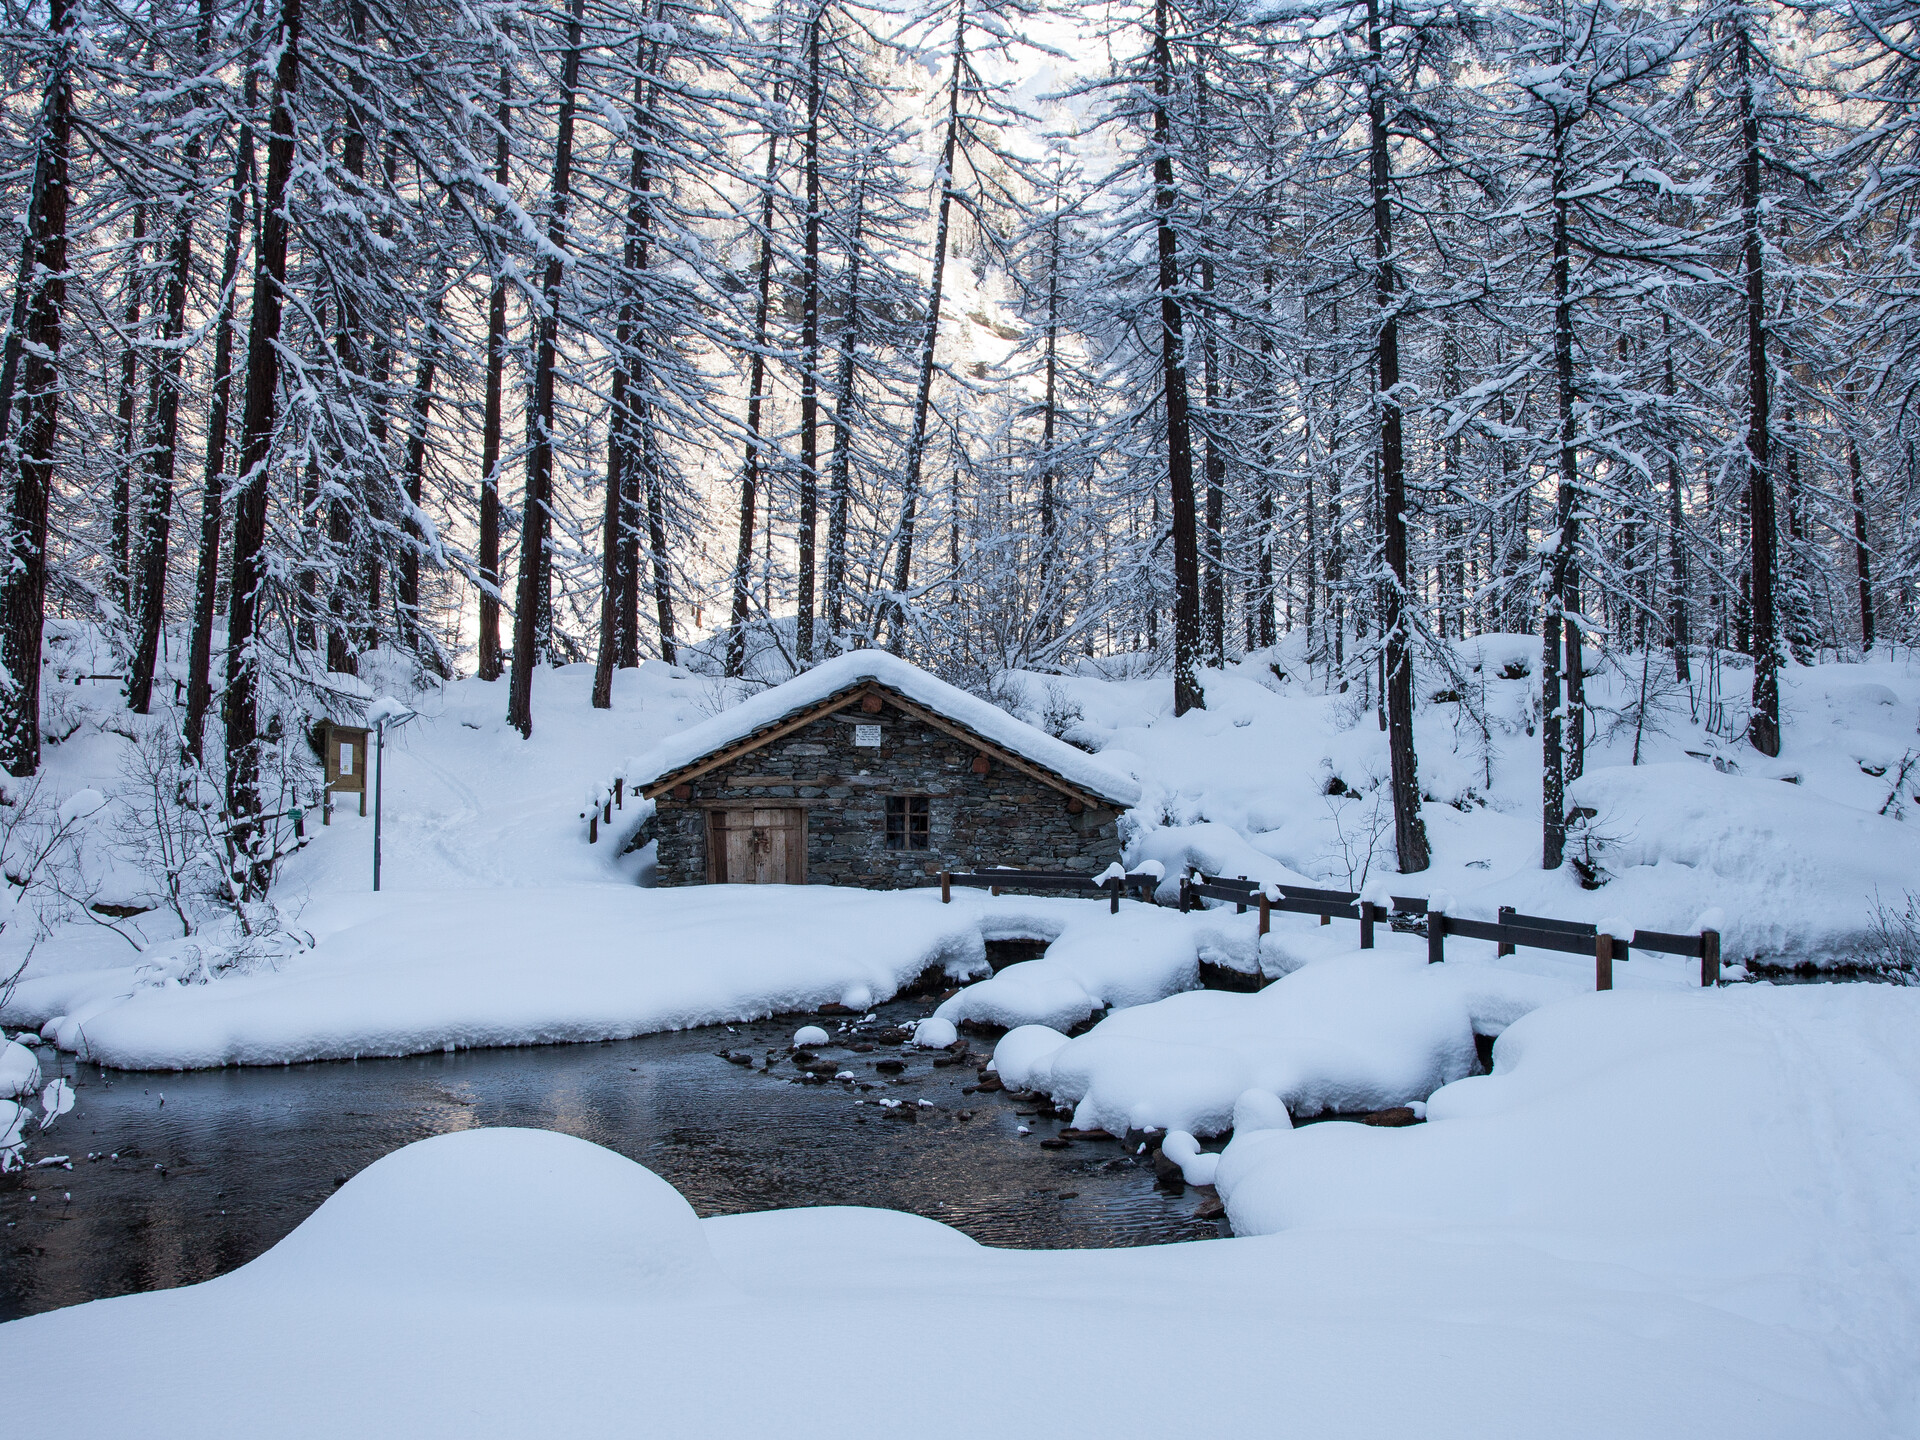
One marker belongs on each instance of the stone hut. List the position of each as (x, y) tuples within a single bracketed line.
[(868, 771)]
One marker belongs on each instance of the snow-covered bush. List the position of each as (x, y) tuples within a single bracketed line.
[(41, 874), (1894, 940)]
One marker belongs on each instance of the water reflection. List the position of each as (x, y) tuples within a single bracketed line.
[(198, 1173)]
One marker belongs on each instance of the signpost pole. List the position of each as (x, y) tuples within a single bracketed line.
[(379, 775)]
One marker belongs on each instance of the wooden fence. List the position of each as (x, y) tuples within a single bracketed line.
[(1510, 932), (1140, 886)]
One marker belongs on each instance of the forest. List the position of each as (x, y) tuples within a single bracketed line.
[(507, 335)]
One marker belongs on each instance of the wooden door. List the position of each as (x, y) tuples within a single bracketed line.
[(763, 845)]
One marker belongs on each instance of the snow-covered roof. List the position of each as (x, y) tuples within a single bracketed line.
[(851, 672)]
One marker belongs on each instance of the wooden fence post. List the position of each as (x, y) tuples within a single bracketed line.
[(946, 887), (1436, 937), (1113, 896), (619, 792), (1603, 962), (1709, 959), (593, 828), (1366, 924), (1266, 913), (1506, 918), (1186, 897), (606, 811)]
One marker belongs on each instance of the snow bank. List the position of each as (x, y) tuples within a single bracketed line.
[(19, 1070), (1368, 1031), (430, 1218), (830, 677), (1756, 1147), (1795, 872), (401, 974), (1665, 1215), (1102, 961)]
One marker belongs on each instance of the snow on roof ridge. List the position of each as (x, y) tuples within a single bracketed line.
[(842, 672)]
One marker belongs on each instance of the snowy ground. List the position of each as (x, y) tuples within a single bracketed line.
[(500, 925), (1663, 1215), (1665, 1212)]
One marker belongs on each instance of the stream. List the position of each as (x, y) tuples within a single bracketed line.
[(179, 1177)]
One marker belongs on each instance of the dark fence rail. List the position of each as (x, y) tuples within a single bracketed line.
[(1510, 932), (1141, 886)]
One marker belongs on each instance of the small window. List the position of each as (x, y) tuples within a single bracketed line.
[(907, 822)]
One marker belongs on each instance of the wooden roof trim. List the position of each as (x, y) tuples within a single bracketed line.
[(800, 719), (747, 744)]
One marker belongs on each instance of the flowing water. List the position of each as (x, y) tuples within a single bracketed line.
[(194, 1174)]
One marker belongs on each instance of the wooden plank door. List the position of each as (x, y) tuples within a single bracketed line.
[(766, 846)]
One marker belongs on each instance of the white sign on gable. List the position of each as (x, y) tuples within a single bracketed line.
[(867, 735)]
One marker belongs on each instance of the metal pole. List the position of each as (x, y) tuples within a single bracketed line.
[(379, 777)]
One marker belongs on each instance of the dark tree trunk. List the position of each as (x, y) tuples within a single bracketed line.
[(23, 600), (120, 566), (657, 546), (929, 342), (1409, 830), (1862, 555), (414, 635), (1048, 620), (810, 353), (531, 594), (1556, 627), (1764, 727), (160, 447), (489, 639), (1676, 546), (206, 581), (252, 864), (1214, 608), (616, 554), (756, 399), (163, 429), (839, 472), (1187, 694)]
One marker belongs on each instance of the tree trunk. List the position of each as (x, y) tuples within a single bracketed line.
[(530, 594), (162, 441), (929, 341), (1409, 830), (253, 866), (163, 428), (809, 354), (1556, 628), (840, 476), (657, 546), (1048, 622), (616, 522), (756, 398), (1763, 728), (212, 487), (120, 565), (1862, 555), (1187, 694), (23, 600), (413, 634), (1676, 546), (489, 639)]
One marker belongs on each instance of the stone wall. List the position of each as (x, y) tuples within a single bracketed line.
[(1004, 817)]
